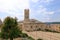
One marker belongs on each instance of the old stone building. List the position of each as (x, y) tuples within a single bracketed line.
[(54, 27), (33, 24)]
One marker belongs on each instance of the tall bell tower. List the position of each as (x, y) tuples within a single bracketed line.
[(26, 14)]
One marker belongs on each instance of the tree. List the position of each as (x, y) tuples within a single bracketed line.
[(39, 39), (10, 28)]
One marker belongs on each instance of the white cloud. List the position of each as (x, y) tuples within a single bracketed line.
[(58, 10), (42, 1), (13, 6), (42, 13), (50, 12), (47, 19), (46, 1), (44, 10), (35, 1)]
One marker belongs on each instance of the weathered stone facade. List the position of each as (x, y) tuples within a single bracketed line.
[(54, 27), (33, 24)]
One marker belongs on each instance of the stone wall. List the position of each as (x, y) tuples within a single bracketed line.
[(42, 26)]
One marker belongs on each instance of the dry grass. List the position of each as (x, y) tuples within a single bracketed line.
[(44, 35)]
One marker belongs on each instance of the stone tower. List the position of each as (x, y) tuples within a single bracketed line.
[(26, 15)]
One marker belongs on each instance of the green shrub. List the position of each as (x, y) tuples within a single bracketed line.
[(0, 34), (39, 39), (31, 38), (24, 35), (48, 30), (39, 29)]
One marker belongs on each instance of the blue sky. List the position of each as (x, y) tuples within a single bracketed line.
[(42, 10)]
